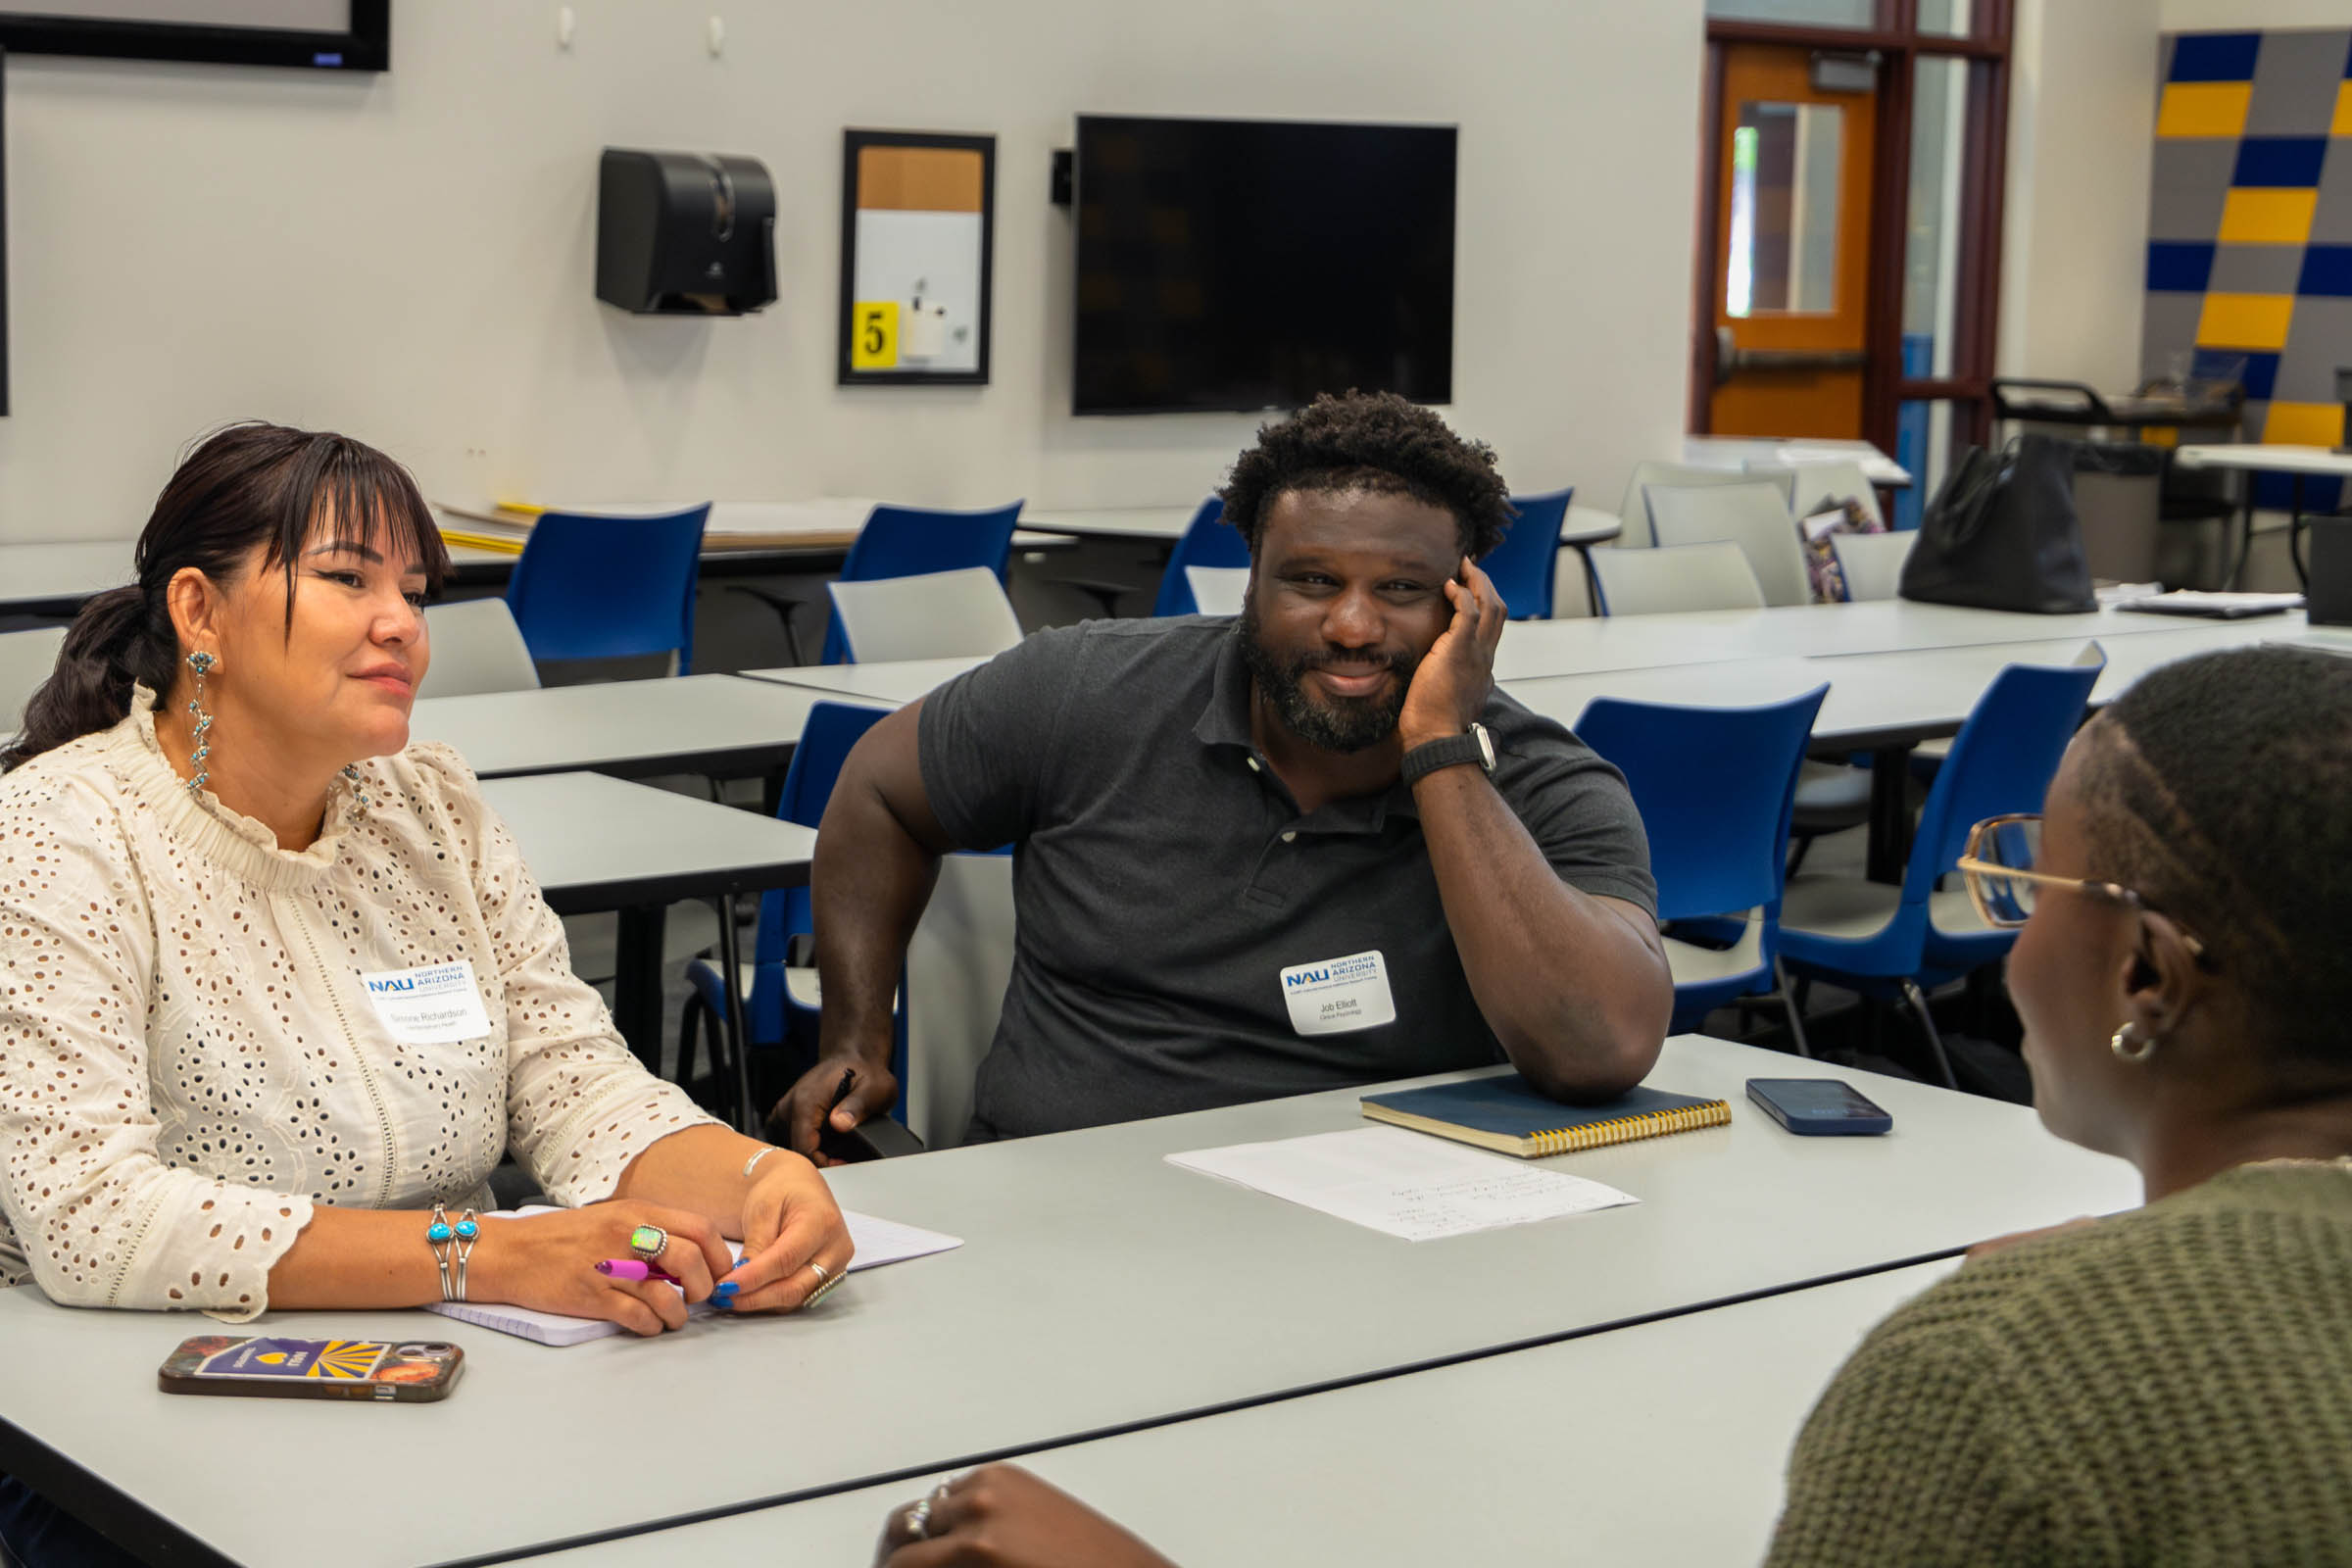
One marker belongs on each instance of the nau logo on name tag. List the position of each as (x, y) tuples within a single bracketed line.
[(437, 1005), (1337, 994)]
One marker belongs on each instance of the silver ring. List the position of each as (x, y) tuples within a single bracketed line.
[(918, 1517), (826, 1279)]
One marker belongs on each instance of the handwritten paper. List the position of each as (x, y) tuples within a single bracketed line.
[(1403, 1183)]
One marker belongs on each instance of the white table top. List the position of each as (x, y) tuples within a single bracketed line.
[(2263, 458), (1167, 523), (1738, 451), (1663, 1442), (1531, 648), (688, 724), (888, 682), (1880, 699), (597, 842), (48, 574), (1099, 1288)]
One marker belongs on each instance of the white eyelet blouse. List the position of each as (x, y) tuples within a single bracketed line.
[(188, 1058)]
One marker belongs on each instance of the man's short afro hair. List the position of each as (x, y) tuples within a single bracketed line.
[(1372, 441)]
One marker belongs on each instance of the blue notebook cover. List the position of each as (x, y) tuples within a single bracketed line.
[(1503, 1113)]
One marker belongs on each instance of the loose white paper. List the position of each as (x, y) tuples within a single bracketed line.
[(1403, 1183), (1337, 994), (877, 1240), (435, 1004)]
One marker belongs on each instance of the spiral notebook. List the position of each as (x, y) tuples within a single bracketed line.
[(1505, 1115)]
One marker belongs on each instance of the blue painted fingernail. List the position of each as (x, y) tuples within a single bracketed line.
[(724, 1288), (725, 1304)]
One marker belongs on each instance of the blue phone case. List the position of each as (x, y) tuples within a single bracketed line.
[(1819, 1107)]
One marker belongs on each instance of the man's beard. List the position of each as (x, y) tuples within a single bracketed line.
[(1342, 724)]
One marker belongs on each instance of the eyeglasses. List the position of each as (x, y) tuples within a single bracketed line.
[(1999, 867)]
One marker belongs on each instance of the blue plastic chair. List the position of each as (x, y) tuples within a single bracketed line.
[(596, 587), (1886, 942), (1522, 565), (1209, 540), (915, 541), (772, 1017), (1718, 835)]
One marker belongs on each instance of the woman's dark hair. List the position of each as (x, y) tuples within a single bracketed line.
[(2220, 788), (245, 486), (1373, 441)]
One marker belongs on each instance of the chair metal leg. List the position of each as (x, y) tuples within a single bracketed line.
[(1796, 1012), (1918, 1003), (738, 1028)]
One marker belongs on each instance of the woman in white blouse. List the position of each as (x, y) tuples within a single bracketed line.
[(219, 860)]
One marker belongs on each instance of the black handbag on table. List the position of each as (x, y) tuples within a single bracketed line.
[(2002, 533)]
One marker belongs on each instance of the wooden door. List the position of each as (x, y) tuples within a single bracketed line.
[(1791, 270)]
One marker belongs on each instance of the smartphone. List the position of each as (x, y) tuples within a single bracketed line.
[(1819, 1107), (313, 1369)]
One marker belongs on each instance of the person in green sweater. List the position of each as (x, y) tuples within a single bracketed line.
[(2167, 1386)]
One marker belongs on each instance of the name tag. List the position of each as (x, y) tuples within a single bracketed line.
[(1339, 994), (437, 1005)]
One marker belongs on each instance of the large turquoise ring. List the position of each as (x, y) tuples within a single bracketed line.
[(648, 1242)]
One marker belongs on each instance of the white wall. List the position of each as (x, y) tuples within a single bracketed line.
[(2082, 117), (2251, 15), (409, 257)]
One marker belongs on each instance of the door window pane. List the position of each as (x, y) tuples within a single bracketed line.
[(1950, 18), (1783, 255), (1806, 13), (1933, 237), (1923, 438)]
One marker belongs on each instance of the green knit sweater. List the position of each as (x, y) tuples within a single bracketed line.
[(2168, 1386)]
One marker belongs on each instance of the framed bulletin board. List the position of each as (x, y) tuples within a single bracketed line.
[(917, 232)]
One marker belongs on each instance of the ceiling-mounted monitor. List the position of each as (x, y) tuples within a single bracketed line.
[(314, 35), (1248, 265)]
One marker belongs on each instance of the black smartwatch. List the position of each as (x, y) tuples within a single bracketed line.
[(1473, 744)]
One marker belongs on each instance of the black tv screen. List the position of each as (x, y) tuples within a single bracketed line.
[(1247, 264), (316, 35)]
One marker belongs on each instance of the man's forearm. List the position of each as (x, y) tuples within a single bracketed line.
[(870, 883), (1578, 992)]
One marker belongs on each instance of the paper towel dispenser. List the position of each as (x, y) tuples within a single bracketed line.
[(685, 233)]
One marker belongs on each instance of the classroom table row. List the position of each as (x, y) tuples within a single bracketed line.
[(1662, 1443), (1098, 1290)]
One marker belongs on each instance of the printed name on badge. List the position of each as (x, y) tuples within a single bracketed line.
[(1339, 994), (437, 1005)]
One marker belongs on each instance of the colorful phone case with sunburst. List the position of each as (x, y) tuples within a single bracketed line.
[(313, 1369)]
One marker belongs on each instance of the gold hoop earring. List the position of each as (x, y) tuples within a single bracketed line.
[(2122, 1044), (203, 665)]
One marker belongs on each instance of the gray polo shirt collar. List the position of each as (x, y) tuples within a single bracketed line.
[(1225, 722)]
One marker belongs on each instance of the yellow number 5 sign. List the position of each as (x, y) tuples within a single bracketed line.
[(874, 335)]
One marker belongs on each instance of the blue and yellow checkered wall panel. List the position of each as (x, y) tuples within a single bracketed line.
[(2250, 226)]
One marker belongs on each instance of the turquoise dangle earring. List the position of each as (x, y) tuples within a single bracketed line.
[(203, 665)]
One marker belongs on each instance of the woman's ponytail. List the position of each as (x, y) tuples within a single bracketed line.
[(118, 638)]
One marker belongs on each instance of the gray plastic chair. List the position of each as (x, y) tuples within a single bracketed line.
[(1752, 514), (1639, 531), (940, 614), (476, 648), (27, 658), (1217, 590), (1652, 582), (1873, 562)]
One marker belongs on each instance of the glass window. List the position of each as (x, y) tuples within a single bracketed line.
[(1786, 160), (1799, 13), (1924, 435), (1950, 18), (1932, 243)]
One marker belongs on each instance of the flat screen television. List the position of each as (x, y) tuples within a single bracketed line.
[(316, 35), (1250, 265)]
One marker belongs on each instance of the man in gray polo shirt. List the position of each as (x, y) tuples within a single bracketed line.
[(1307, 848)]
